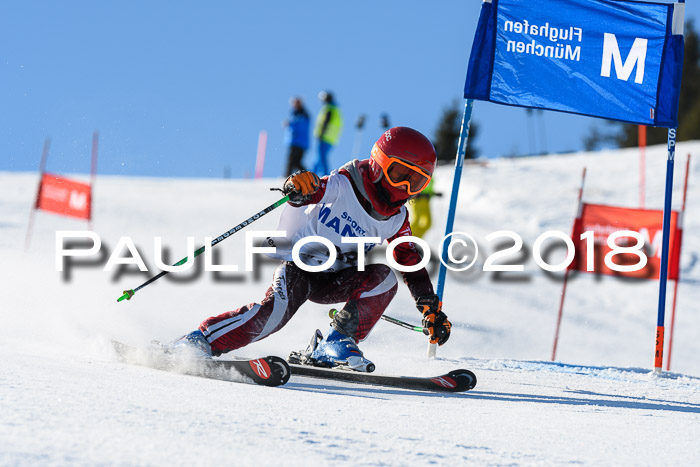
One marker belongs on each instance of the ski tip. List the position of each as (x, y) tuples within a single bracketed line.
[(279, 371), (466, 379)]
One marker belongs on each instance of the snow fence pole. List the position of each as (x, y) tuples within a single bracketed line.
[(459, 163), (663, 274), (130, 293)]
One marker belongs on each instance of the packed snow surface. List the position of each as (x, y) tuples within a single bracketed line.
[(66, 399)]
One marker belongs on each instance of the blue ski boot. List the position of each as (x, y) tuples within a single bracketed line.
[(339, 350), (193, 343)]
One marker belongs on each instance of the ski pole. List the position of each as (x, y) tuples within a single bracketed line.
[(130, 293), (405, 325), (398, 322)]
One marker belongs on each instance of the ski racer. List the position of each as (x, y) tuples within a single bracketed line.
[(364, 198)]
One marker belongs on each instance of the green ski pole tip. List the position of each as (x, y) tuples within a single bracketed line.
[(127, 295)]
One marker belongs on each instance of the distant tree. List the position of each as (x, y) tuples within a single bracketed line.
[(447, 135), (601, 134), (626, 134)]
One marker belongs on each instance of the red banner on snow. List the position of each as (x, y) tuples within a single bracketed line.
[(63, 196), (605, 220)]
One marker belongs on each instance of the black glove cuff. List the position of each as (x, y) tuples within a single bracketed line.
[(431, 301), (290, 190)]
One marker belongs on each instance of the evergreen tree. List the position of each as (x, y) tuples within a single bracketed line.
[(447, 135)]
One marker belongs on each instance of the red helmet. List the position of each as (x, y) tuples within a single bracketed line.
[(405, 158)]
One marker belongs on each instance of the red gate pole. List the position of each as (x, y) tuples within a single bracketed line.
[(93, 174), (260, 159), (679, 237), (566, 272), (32, 212), (642, 139)]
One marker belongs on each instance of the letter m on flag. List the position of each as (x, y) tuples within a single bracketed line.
[(629, 67), (611, 53)]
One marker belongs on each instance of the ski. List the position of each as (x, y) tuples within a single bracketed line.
[(267, 371), (454, 381)]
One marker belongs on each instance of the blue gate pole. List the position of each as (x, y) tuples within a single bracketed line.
[(663, 274), (459, 163)]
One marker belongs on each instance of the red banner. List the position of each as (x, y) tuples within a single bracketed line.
[(604, 221), (65, 197)]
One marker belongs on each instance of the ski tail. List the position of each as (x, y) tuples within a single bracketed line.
[(265, 371)]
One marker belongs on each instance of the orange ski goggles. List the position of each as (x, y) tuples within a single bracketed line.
[(400, 173)]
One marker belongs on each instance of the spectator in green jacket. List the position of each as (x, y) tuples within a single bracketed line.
[(329, 124)]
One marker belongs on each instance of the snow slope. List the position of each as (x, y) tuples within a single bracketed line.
[(64, 399)]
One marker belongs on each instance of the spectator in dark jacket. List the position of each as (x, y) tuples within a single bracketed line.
[(297, 135)]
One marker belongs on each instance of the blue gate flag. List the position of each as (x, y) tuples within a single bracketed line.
[(615, 59)]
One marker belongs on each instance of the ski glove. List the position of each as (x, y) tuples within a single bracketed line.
[(435, 322), (301, 184)]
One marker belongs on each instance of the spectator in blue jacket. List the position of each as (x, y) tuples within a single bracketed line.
[(297, 135)]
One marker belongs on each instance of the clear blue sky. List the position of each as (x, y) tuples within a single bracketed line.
[(183, 89)]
